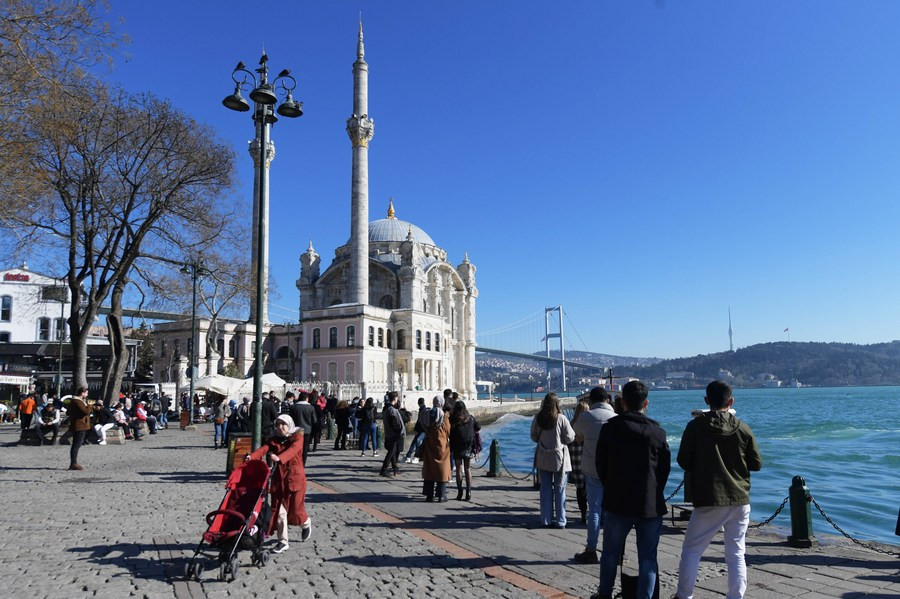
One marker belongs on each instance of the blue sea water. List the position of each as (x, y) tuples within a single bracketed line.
[(844, 441)]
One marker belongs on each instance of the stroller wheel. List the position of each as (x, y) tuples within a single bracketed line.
[(188, 571), (234, 568), (198, 571), (263, 557), (223, 572)]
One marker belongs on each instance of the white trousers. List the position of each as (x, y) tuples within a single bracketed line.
[(101, 430), (705, 523), (281, 524)]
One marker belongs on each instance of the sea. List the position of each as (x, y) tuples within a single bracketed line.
[(845, 442)]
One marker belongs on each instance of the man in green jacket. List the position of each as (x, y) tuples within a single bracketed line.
[(719, 452)]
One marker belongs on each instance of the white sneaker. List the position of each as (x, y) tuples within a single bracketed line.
[(363, 454), (415, 460), (407, 460), (281, 547), (375, 454), (102, 443)]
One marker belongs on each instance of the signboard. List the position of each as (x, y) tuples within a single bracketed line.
[(16, 276), (12, 379)]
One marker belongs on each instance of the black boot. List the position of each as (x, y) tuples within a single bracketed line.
[(459, 494), (468, 494)]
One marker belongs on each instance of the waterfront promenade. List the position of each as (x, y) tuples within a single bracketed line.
[(125, 526)]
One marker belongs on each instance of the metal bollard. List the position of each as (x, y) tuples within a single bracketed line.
[(801, 514), (330, 422), (494, 459)]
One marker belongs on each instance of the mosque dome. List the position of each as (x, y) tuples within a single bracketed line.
[(393, 229)]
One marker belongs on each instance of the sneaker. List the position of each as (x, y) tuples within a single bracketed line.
[(374, 454), (281, 547), (362, 454), (407, 460), (306, 531), (588, 556), (76, 467), (102, 443), (415, 460)]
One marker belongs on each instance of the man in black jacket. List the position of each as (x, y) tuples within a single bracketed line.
[(633, 462), (394, 433), (270, 413), (303, 414)]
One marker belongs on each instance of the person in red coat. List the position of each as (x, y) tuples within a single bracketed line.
[(288, 484)]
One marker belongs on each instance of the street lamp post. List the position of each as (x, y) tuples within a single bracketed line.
[(193, 267), (264, 95)]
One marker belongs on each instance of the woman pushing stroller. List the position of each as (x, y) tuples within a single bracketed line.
[(288, 486)]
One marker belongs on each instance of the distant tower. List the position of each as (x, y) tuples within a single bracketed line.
[(730, 333), (361, 129)]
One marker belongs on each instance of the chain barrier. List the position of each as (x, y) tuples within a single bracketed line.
[(772, 517), (840, 530), (526, 477), (484, 463), (675, 492)]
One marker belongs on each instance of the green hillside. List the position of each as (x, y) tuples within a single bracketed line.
[(819, 364)]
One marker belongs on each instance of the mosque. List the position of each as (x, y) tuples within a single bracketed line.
[(390, 312)]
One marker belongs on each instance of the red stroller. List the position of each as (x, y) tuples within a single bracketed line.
[(240, 523)]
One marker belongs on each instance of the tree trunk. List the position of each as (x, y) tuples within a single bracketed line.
[(118, 362)]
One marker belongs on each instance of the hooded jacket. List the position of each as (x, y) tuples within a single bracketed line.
[(719, 451), (633, 462)]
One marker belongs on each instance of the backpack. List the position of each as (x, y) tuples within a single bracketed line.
[(155, 406), (404, 413)]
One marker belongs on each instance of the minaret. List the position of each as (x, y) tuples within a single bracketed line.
[(730, 334), (360, 128)]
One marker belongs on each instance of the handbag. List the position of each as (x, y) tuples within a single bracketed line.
[(477, 446), (220, 420)]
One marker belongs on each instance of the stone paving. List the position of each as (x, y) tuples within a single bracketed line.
[(125, 526)]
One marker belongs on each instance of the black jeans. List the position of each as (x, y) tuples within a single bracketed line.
[(392, 448), (340, 441), (77, 440)]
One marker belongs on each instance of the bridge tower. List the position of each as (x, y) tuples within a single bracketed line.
[(562, 342)]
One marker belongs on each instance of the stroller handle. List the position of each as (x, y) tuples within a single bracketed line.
[(233, 513)]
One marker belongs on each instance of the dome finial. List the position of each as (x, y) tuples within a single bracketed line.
[(360, 48), (390, 207), (310, 248)]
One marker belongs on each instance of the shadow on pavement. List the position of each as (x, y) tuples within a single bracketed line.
[(185, 477), (139, 560)]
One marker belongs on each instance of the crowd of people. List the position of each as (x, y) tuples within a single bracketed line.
[(619, 460)]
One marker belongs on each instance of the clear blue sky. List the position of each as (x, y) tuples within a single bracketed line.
[(646, 164)]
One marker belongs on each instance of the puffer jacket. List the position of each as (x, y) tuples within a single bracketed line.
[(719, 451)]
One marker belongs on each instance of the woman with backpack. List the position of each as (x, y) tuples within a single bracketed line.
[(463, 428), (552, 432), (365, 416)]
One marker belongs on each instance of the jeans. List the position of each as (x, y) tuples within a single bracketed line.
[(615, 529), (705, 523), (367, 431), (164, 419), (553, 497), (594, 489), (416, 442), (392, 449), (219, 432), (77, 440)]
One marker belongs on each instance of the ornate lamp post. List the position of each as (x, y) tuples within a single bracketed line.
[(264, 95), (195, 268)]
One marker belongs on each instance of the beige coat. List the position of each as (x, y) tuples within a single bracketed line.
[(436, 453)]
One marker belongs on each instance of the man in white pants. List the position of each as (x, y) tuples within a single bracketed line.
[(717, 453)]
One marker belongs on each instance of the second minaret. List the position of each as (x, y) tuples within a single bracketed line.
[(361, 129)]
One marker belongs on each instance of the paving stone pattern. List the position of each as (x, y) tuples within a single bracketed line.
[(126, 525)]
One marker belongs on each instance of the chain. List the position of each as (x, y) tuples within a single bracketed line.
[(526, 477), (484, 463), (772, 517), (840, 530), (675, 492)]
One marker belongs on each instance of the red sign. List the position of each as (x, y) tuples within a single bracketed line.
[(15, 276)]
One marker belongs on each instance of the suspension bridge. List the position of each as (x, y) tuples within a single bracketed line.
[(534, 338)]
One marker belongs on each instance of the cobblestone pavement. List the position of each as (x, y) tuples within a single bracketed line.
[(126, 525)]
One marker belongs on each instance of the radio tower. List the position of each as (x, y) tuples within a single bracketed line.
[(730, 333)]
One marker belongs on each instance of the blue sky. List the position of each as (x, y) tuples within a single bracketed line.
[(644, 164)]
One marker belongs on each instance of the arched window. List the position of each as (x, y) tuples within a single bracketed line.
[(380, 337), (6, 304), (59, 331), (317, 338), (332, 337), (350, 372), (424, 305), (389, 338), (232, 348), (351, 336), (43, 329), (314, 371), (335, 301), (332, 371), (220, 346), (437, 342), (401, 339), (428, 340), (439, 309), (371, 336), (386, 301), (418, 339)]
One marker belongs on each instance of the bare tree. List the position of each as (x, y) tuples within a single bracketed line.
[(115, 173)]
